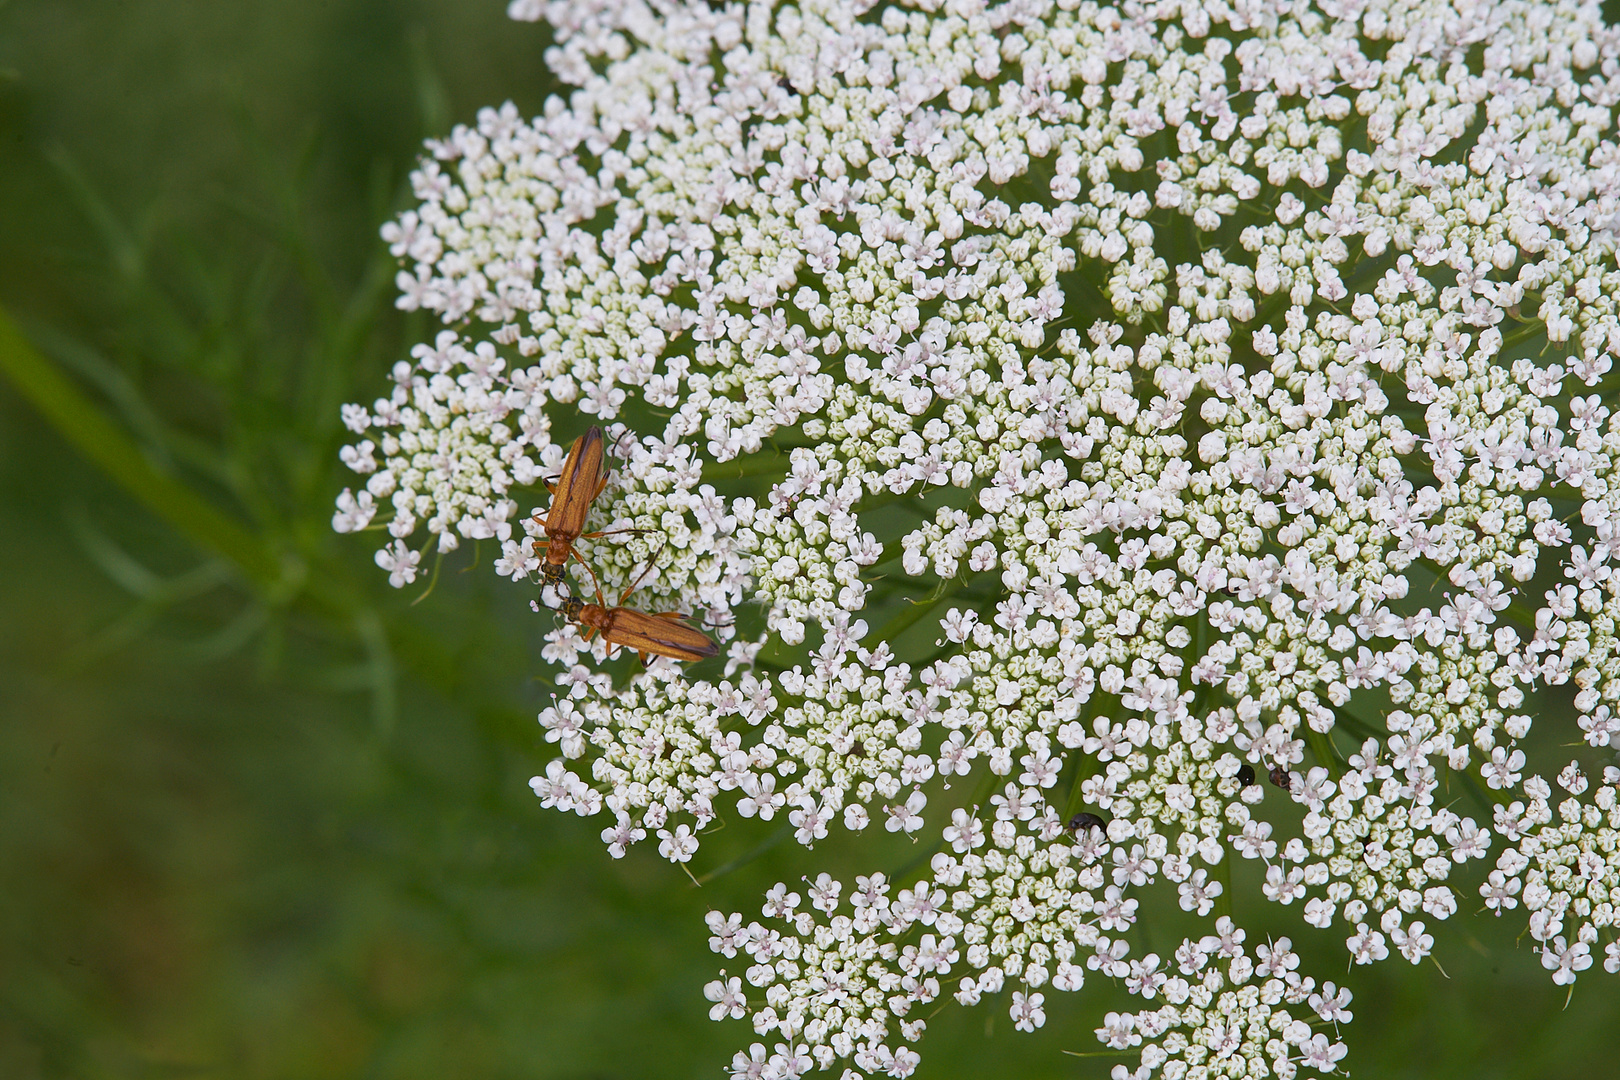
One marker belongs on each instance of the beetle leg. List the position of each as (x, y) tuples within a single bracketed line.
[(707, 625), (598, 585)]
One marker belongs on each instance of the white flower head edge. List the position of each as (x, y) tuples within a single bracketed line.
[(1258, 357)]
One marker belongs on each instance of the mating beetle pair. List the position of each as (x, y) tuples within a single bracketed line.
[(582, 478)]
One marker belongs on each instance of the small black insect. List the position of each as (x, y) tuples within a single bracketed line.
[(1279, 777), (1086, 821), (1245, 775)]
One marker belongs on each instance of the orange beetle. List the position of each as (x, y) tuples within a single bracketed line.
[(582, 478), (663, 634)]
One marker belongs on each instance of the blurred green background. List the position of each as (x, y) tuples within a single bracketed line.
[(260, 815)]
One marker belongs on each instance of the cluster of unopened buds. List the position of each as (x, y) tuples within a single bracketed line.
[(1162, 406)]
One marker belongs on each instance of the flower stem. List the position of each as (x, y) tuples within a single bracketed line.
[(1223, 874), (1322, 747), (782, 833), (918, 609), (77, 419)]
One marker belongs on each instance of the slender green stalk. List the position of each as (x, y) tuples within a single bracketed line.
[(1223, 874), (914, 614), (83, 424), (782, 832), (1322, 746)]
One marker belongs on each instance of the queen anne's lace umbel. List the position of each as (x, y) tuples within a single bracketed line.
[(1255, 356)]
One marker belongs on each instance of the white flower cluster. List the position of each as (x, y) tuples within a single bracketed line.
[(1038, 911), (1249, 367), (1221, 1015)]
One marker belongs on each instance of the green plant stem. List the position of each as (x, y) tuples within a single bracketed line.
[(280, 580), (84, 425), (1085, 768), (919, 608), (782, 832), (1223, 874), (1322, 746)]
